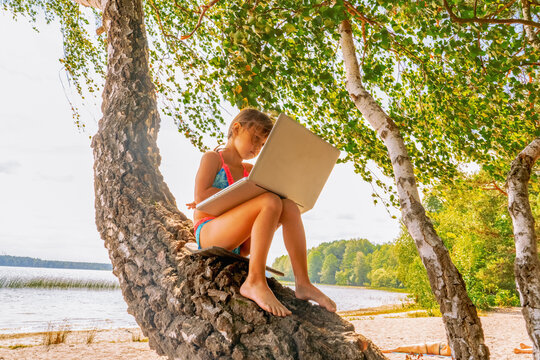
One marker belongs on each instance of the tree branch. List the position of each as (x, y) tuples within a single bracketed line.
[(508, 4), (204, 10), (364, 19), (496, 187), (158, 17), (185, 9), (354, 11), (485, 20)]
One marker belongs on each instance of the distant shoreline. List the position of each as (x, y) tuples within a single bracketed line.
[(25, 261)]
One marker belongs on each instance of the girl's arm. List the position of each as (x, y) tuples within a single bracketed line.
[(209, 167)]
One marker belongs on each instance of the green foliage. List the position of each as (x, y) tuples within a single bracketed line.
[(315, 263), (329, 269), (348, 262), (411, 272), (336, 248), (283, 264), (84, 57), (382, 277), (473, 221), (457, 92), (361, 269)]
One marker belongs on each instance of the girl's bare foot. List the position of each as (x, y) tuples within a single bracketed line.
[(310, 292), (264, 297)]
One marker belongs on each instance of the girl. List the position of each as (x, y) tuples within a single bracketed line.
[(248, 228)]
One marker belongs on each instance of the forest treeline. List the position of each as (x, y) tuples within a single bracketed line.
[(349, 262), (472, 220), (24, 261)]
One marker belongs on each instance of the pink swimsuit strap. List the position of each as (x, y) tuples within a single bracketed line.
[(201, 221), (230, 178)]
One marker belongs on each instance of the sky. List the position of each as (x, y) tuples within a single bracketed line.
[(46, 175)]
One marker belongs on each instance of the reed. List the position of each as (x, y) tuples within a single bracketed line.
[(56, 283), (137, 337), (91, 336), (58, 336)]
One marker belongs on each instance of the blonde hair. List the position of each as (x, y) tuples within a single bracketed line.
[(248, 118)]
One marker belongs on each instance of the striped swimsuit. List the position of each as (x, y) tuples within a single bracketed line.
[(223, 179)]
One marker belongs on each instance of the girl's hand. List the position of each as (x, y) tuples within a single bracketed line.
[(191, 205)]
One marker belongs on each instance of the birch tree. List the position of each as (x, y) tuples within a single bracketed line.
[(463, 327), (189, 307), (527, 264)]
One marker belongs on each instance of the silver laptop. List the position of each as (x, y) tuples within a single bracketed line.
[(294, 164)]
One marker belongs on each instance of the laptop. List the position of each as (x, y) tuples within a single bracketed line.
[(294, 163)]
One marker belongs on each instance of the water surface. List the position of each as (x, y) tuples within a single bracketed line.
[(32, 310)]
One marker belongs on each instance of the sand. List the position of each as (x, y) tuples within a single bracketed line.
[(106, 344), (503, 330)]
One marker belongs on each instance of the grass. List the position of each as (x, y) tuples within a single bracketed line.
[(57, 283), (136, 337), (58, 336), (380, 310), (411, 310), (91, 336), (62, 334), (389, 289), (425, 313), (18, 346)]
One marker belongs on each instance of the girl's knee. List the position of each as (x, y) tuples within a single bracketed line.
[(290, 209), (271, 201)]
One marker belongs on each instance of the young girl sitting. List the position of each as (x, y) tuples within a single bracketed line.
[(248, 229)]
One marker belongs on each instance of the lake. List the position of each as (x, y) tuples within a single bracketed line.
[(33, 310)]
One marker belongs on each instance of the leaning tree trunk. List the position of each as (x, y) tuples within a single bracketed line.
[(463, 327), (527, 265), (188, 306)]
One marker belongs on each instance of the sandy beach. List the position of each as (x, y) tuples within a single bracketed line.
[(503, 329)]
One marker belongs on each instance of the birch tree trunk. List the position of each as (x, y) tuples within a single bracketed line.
[(532, 36), (527, 265), (463, 327), (189, 307)]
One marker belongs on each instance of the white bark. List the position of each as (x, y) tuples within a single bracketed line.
[(527, 265), (529, 30), (462, 324)]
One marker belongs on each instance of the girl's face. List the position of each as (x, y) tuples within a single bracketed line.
[(248, 142)]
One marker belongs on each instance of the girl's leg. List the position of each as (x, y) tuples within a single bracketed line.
[(246, 247), (256, 218), (294, 238), (262, 233)]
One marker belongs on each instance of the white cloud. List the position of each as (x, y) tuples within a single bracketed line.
[(8, 167)]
